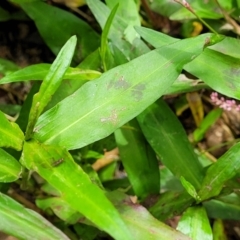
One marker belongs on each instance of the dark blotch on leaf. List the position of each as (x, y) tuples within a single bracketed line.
[(137, 91)]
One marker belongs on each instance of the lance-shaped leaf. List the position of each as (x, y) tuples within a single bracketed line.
[(219, 172), (171, 204), (138, 159), (167, 137), (195, 223), (39, 72), (10, 169), (218, 230), (223, 209), (24, 223), (141, 223), (103, 105), (156, 39), (65, 25), (121, 34), (10, 134), (51, 83), (219, 71), (104, 48), (57, 166)]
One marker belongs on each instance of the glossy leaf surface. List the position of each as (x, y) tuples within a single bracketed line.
[(194, 223)]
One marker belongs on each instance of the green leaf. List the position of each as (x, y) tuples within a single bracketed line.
[(207, 122), (219, 172), (104, 43), (171, 204), (60, 208), (223, 210), (39, 72), (203, 10), (219, 71), (10, 169), (140, 222), (194, 223), (7, 67), (50, 83), (156, 39), (128, 12), (56, 165), (183, 85), (113, 99), (24, 223), (130, 44), (65, 25), (138, 159), (218, 230), (4, 15), (189, 188), (10, 134), (228, 46), (167, 137)]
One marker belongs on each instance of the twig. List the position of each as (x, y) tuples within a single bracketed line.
[(230, 20)]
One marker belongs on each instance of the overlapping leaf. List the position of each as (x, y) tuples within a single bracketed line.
[(65, 25), (10, 169), (194, 223), (169, 140), (218, 173), (24, 223), (138, 159), (59, 169), (10, 134), (116, 97), (39, 72)]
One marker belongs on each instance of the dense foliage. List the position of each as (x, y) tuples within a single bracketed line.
[(96, 145)]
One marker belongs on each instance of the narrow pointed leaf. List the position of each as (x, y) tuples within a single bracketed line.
[(10, 134), (229, 46), (24, 223), (167, 137), (222, 210), (171, 204), (10, 168), (156, 39), (141, 223), (65, 25), (219, 71), (116, 97), (59, 169), (51, 83), (39, 72), (104, 43), (138, 159), (195, 223), (218, 173), (218, 230), (189, 188), (130, 44)]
